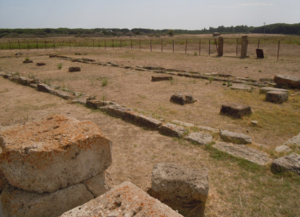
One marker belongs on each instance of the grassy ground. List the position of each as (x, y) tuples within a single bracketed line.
[(237, 187)]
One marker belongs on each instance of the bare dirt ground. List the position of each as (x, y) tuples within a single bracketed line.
[(237, 188)]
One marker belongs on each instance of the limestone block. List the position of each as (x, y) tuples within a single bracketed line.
[(277, 96), (161, 78), (237, 138), (264, 90), (235, 110), (282, 148), (244, 152), (25, 81), (62, 94), (199, 138), (40, 64), (19, 203), (53, 153), (115, 110), (171, 130), (148, 122), (179, 184), (74, 69), (287, 81), (294, 141), (44, 88), (27, 61), (243, 87), (178, 98), (290, 162), (125, 200), (97, 185)]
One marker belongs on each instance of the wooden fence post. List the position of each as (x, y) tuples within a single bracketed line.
[(151, 45), (237, 46), (216, 46), (278, 50), (113, 44), (185, 45), (162, 45), (9, 45), (131, 44), (173, 46), (199, 47), (98, 44), (105, 43), (45, 45), (37, 45), (209, 47), (19, 45), (121, 43), (93, 43), (140, 45)]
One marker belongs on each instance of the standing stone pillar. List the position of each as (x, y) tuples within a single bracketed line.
[(220, 46), (244, 46)]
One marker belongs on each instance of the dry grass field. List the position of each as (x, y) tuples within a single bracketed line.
[(237, 187)]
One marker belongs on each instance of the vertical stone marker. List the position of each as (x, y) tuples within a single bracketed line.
[(244, 46), (53, 153)]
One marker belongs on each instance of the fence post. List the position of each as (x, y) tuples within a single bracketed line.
[(237, 44), (37, 46), (19, 44), (54, 44), (98, 44), (113, 44), (93, 43), (140, 45), (185, 45), (27, 45), (244, 46), (121, 43), (105, 43), (278, 50), (173, 46), (76, 44), (199, 47), (130, 44), (62, 44), (45, 45), (209, 47), (162, 45), (9, 45), (151, 45)]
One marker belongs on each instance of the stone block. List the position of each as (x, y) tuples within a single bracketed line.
[(148, 122), (124, 200), (244, 152), (243, 87), (260, 53), (161, 78), (74, 69), (178, 185), (44, 88), (282, 148), (290, 162), (235, 110), (287, 81), (264, 90), (115, 110), (27, 61), (18, 203), (294, 141), (178, 98), (97, 185), (172, 130), (40, 64), (277, 96), (25, 81), (237, 138), (63, 94), (199, 138), (95, 103), (53, 153)]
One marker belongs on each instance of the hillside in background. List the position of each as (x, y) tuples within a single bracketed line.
[(277, 28)]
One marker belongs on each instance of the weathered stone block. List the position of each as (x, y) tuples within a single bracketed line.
[(235, 110), (243, 87), (294, 141), (244, 152), (237, 138), (123, 200), (25, 81), (290, 162), (63, 94), (44, 88), (171, 130), (199, 138), (27, 61), (287, 81), (264, 90), (74, 69), (179, 185), (53, 153), (95, 103), (282, 148), (40, 64), (18, 203), (115, 110), (178, 98), (161, 78), (277, 96), (260, 53), (97, 185), (147, 122)]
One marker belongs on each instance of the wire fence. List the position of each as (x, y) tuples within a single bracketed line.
[(195, 46)]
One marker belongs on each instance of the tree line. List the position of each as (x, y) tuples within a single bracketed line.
[(278, 28)]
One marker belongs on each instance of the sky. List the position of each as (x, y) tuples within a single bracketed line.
[(152, 14)]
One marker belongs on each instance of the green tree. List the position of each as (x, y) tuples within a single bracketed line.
[(171, 33)]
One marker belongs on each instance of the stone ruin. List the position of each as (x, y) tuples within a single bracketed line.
[(40, 64), (235, 110), (182, 99), (52, 165), (74, 69)]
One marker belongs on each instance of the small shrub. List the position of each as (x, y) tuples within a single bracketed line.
[(104, 82), (59, 66), (210, 79), (27, 59), (16, 74), (195, 53)]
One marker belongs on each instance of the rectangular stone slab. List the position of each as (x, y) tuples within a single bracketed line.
[(244, 152), (290, 162), (16, 202), (161, 78), (171, 130), (53, 153), (123, 200)]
